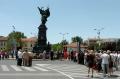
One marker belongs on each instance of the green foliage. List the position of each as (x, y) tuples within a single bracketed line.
[(111, 46), (64, 42), (118, 45), (91, 47), (104, 46), (57, 47), (14, 39), (98, 47), (77, 39)]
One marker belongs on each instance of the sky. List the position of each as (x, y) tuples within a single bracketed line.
[(68, 17)]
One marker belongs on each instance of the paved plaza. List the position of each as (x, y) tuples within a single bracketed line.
[(48, 70)]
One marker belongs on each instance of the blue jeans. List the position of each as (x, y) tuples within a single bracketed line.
[(105, 68)]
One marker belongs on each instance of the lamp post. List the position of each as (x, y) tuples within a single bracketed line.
[(63, 35), (14, 42), (64, 48), (98, 33), (13, 28), (34, 34)]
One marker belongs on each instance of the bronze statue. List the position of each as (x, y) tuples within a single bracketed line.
[(41, 44), (45, 14)]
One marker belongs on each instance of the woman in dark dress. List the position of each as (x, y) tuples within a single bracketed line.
[(98, 63), (91, 62), (110, 65)]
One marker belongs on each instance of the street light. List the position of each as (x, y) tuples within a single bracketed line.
[(98, 33), (63, 35), (14, 41), (64, 49), (13, 28), (34, 34)]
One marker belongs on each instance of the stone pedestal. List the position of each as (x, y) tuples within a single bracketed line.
[(41, 44)]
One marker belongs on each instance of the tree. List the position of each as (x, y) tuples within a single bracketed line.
[(64, 42), (118, 45), (14, 39), (91, 47), (77, 39), (57, 47)]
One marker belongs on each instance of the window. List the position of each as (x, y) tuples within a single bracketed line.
[(31, 45), (1, 43), (25, 45)]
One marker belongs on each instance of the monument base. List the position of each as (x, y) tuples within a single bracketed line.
[(41, 44)]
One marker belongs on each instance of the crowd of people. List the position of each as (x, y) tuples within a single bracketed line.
[(3, 55), (102, 61), (23, 57)]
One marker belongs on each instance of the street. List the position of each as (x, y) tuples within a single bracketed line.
[(47, 70)]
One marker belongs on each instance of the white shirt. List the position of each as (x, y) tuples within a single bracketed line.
[(20, 54), (114, 57), (119, 57), (105, 58)]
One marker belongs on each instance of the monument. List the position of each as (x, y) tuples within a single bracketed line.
[(41, 44)]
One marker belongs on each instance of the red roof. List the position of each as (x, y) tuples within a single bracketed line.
[(2, 38), (32, 39), (74, 45)]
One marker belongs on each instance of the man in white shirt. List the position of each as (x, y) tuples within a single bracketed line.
[(119, 58), (105, 63), (20, 54)]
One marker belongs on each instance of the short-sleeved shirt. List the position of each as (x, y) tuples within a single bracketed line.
[(20, 54), (105, 58)]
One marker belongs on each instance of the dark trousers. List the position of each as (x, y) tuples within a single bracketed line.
[(30, 62), (19, 62)]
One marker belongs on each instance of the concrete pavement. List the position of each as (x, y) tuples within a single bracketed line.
[(48, 70)]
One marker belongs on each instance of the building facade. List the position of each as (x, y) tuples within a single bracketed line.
[(28, 43), (3, 42), (103, 43), (102, 40), (75, 47)]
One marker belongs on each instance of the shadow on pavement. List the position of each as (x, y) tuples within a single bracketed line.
[(111, 77)]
